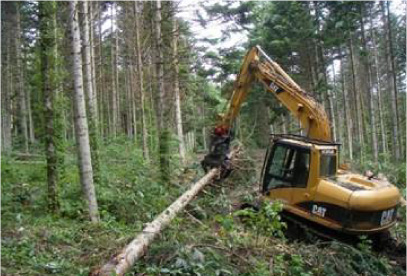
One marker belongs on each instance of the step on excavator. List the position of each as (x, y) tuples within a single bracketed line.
[(303, 171)]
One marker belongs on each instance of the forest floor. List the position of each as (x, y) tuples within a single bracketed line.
[(206, 239)]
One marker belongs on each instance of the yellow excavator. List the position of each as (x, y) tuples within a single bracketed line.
[(302, 171)]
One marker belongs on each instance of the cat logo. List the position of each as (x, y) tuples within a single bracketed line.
[(318, 210), (386, 217), (275, 88)]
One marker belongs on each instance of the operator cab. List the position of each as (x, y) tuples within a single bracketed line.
[(289, 159), (288, 166)]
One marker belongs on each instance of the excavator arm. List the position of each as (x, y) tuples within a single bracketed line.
[(257, 66)]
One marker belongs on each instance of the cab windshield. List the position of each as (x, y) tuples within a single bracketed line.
[(327, 167)]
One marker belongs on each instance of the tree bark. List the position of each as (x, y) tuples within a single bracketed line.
[(141, 83), (91, 94), (128, 73), (178, 115), (47, 45), (164, 134), (100, 79), (159, 65), (383, 134), (114, 108), (356, 93), (133, 74), (331, 110), (116, 60), (81, 125), (22, 107), (338, 111), (128, 85), (6, 80), (30, 119), (366, 65), (152, 114), (391, 75), (93, 63), (348, 120)]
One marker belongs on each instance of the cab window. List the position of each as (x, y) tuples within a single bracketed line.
[(327, 167), (300, 179), (287, 167)]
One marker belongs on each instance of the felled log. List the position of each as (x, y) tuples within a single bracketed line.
[(122, 262)]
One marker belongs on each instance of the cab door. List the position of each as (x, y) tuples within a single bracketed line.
[(276, 175), (286, 173), (301, 195)]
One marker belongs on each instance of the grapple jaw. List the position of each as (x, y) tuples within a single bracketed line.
[(219, 152)]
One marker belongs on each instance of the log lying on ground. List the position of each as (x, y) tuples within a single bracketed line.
[(122, 262)]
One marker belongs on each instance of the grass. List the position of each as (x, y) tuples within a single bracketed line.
[(206, 239)]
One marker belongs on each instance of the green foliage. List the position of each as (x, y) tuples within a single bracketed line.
[(191, 261), (365, 245), (354, 261), (265, 221), (215, 242), (129, 195), (297, 266)]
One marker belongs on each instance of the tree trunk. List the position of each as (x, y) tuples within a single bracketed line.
[(178, 115), (141, 83), (153, 110), (47, 49), (367, 67), (133, 103), (116, 64), (30, 119), (128, 73), (391, 75), (162, 125), (338, 111), (6, 84), (356, 93), (81, 125), (331, 111), (128, 85), (379, 86), (114, 120), (91, 95), (318, 55), (93, 65), (100, 79), (348, 120), (22, 107), (159, 65)]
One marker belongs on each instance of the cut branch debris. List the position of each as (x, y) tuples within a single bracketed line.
[(122, 262)]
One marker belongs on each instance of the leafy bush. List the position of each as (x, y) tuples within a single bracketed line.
[(265, 221)]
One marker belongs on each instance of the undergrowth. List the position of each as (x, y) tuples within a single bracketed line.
[(210, 237)]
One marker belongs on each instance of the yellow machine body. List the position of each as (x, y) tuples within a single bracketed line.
[(324, 194), (302, 171)]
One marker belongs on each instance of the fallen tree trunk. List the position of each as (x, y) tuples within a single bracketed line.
[(122, 262)]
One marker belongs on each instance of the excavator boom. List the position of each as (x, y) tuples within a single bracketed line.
[(258, 66)]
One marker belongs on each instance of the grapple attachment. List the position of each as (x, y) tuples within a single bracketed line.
[(219, 152)]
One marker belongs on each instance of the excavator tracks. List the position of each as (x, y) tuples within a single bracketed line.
[(382, 244)]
